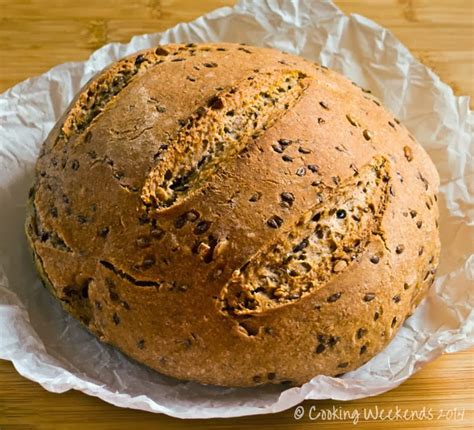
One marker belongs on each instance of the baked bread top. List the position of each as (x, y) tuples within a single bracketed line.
[(234, 215)]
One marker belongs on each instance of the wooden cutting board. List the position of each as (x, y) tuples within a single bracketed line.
[(36, 35)]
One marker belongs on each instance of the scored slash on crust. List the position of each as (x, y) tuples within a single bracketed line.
[(217, 133), (320, 245)]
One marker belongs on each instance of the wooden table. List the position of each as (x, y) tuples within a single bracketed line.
[(38, 34)]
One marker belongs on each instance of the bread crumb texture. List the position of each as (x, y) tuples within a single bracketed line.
[(234, 215)]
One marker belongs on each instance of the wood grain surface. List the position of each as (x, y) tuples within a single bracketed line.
[(36, 35)]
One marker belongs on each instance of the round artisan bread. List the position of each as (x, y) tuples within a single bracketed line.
[(234, 215)]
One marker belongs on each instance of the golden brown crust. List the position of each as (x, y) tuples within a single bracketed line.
[(234, 215)]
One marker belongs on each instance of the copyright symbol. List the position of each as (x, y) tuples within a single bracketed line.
[(299, 412)]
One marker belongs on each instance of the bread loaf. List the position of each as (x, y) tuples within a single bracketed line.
[(234, 215)]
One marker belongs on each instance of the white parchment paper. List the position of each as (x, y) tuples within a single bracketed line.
[(48, 346)]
